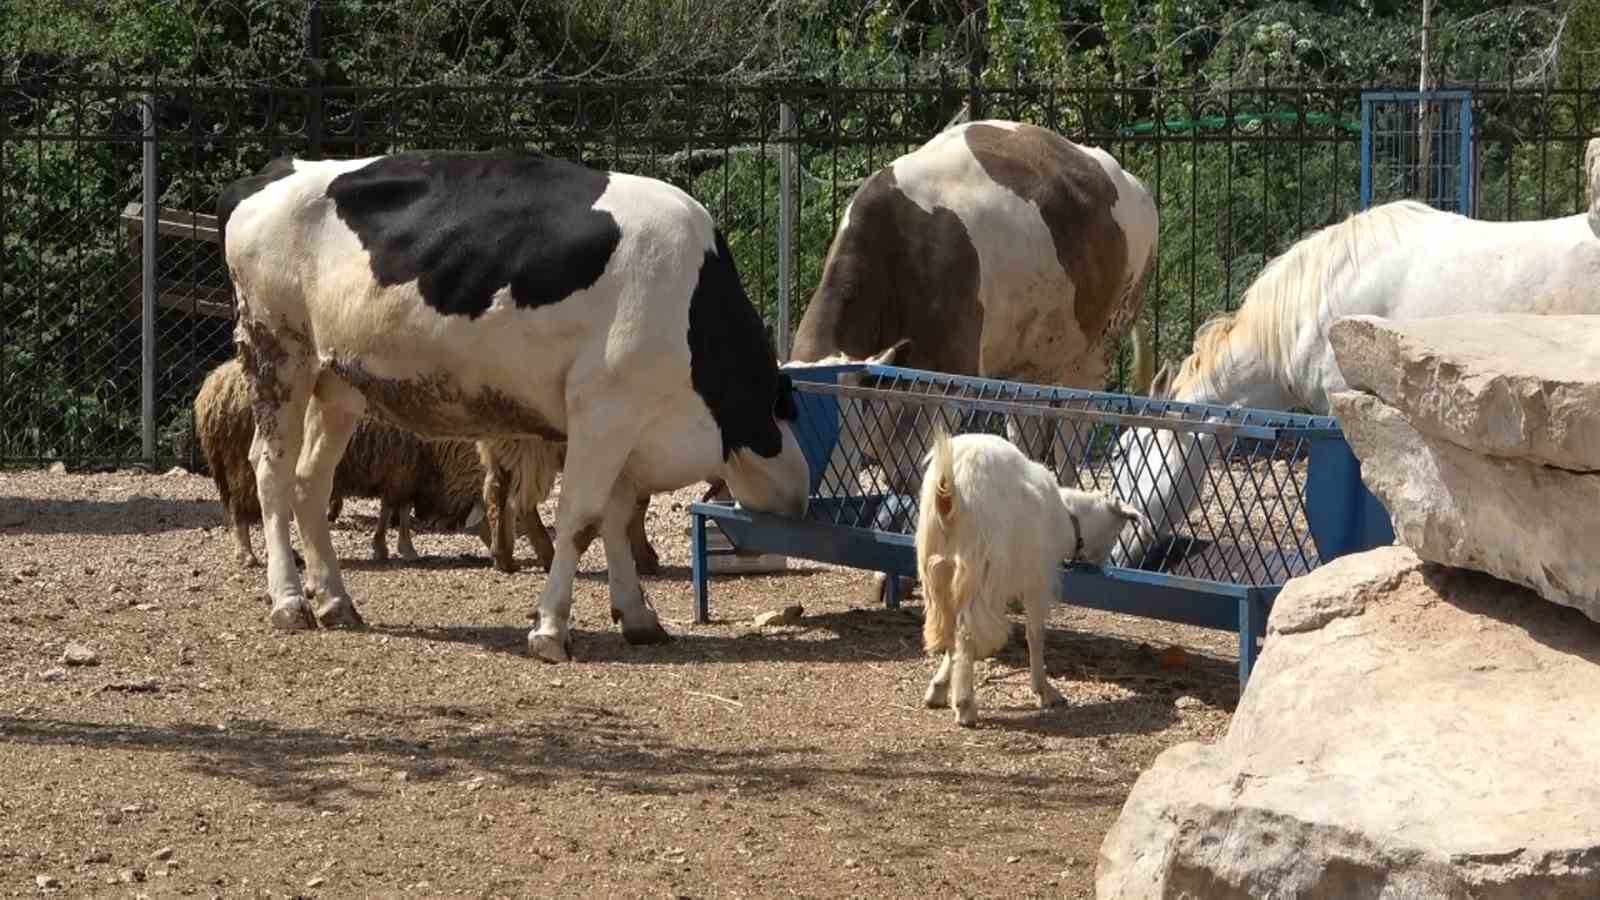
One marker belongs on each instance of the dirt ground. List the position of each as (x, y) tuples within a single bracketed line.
[(207, 755)]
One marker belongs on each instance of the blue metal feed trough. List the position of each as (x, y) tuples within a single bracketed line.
[(1277, 494)]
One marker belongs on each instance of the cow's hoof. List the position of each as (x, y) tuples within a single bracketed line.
[(548, 648), (937, 696), (508, 566), (339, 612), (293, 614), (409, 553), (1049, 697), (967, 714), (649, 633)]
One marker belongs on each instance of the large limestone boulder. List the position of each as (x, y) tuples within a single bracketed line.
[(1520, 386), (1410, 731), (1481, 435)]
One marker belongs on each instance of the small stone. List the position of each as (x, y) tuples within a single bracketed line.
[(28, 571), (1013, 859), (47, 882), (58, 468), (97, 856), (316, 882), (130, 876), (175, 472), (789, 615), (78, 655), (56, 674), (146, 607), (163, 853), (851, 862), (1188, 702)]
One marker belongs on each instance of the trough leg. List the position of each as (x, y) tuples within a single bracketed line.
[(702, 599), (335, 407)]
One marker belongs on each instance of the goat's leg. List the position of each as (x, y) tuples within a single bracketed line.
[(334, 409), (961, 678), (408, 550), (938, 694), (380, 534), (1042, 688), (244, 554)]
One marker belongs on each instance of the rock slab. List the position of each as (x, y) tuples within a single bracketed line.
[(1531, 524), (1411, 730), (1517, 386)]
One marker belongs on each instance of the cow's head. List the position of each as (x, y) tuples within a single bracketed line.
[(773, 478)]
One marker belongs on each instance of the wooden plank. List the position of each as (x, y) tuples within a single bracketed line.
[(179, 223)]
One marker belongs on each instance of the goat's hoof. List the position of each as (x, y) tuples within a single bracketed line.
[(549, 648), (1049, 697), (292, 614), (937, 696), (339, 612)]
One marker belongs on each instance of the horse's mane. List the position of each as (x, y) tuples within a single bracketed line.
[(1290, 291)]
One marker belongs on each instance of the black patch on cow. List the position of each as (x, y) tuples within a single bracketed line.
[(240, 190), (731, 364), (466, 225), (1075, 197), (896, 272)]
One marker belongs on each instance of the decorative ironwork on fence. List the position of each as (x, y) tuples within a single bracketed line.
[(1238, 175)]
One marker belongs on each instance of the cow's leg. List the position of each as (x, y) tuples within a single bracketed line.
[(649, 563), (966, 699), (281, 387), (335, 407), (628, 605), (587, 482), (408, 550), (380, 534)]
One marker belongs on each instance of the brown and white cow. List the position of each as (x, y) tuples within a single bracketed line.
[(997, 249)]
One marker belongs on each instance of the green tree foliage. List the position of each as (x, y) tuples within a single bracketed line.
[(1190, 96)]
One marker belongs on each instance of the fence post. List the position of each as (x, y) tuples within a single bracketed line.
[(788, 161), (150, 210)]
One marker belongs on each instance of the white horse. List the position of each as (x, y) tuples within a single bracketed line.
[(1400, 260)]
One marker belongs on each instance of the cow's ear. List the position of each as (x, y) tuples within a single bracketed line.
[(785, 407)]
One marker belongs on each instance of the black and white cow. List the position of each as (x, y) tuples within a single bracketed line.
[(499, 295)]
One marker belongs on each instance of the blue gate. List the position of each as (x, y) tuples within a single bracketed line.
[(1404, 158)]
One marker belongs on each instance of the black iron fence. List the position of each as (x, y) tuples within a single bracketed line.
[(1238, 175)]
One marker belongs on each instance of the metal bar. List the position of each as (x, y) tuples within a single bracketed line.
[(147, 337), (698, 568), (1366, 150), (786, 224)]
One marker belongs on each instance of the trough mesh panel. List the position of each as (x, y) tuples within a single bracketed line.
[(1245, 469)]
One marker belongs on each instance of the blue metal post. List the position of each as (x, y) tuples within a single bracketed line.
[(1468, 170), (702, 602), (1366, 152)]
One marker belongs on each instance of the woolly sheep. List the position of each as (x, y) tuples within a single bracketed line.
[(993, 525)]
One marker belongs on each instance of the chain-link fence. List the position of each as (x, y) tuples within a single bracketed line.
[(1238, 176)]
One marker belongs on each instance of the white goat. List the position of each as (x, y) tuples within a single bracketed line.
[(993, 525)]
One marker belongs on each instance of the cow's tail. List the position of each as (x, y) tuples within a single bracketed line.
[(937, 569)]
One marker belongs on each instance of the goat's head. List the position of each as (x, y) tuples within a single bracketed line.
[(1101, 519)]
